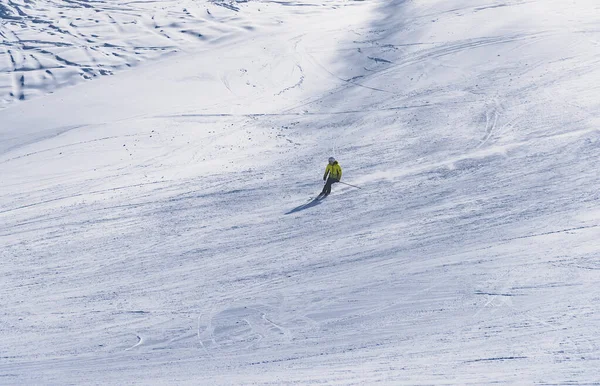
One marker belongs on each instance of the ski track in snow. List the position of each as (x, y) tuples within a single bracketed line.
[(165, 236)]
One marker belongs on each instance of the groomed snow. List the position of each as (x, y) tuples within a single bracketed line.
[(152, 227)]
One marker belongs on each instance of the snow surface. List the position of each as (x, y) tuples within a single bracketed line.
[(151, 227)]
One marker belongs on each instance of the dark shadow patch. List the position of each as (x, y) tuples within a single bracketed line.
[(494, 359), (308, 205), (490, 7), (493, 293), (379, 60)]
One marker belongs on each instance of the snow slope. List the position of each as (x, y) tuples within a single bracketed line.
[(48, 44), (151, 222)]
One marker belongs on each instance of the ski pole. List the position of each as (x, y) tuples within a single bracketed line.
[(354, 186)]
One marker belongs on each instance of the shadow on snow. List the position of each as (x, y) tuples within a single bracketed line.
[(308, 205)]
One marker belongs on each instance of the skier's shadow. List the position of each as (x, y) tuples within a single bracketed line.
[(302, 207)]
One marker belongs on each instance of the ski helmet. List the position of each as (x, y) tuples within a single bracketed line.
[(331, 159)]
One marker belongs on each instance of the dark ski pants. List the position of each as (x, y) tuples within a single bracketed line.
[(327, 187)]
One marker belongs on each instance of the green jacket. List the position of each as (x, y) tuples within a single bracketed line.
[(334, 171)]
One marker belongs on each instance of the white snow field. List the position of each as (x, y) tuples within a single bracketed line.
[(152, 227)]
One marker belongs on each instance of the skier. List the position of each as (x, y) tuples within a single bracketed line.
[(333, 174)]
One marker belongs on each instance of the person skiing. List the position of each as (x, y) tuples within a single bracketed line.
[(333, 174)]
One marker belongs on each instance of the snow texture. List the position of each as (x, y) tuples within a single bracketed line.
[(154, 226)]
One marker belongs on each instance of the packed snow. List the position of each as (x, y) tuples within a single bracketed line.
[(157, 162)]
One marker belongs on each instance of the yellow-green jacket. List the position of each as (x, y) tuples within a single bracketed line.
[(334, 171)]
